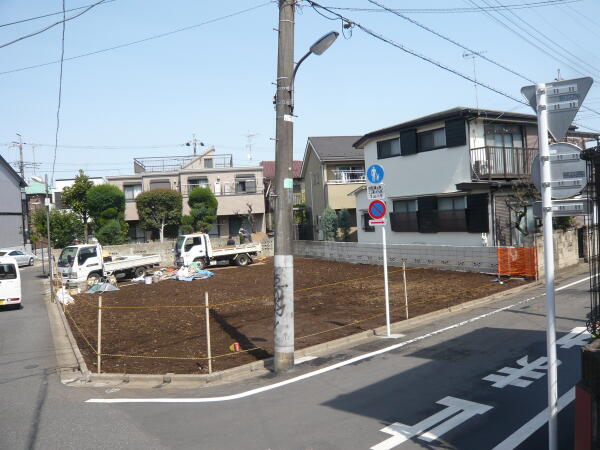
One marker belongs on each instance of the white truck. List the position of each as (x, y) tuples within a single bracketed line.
[(86, 262), (197, 248)]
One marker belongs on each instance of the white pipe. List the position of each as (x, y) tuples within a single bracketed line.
[(385, 278)]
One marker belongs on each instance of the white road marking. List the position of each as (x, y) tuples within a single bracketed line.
[(304, 359), (519, 436), (443, 419), (577, 336), (514, 377), (324, 369)]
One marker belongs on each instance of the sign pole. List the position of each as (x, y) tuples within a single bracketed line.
[(385, 278), (542, 114)]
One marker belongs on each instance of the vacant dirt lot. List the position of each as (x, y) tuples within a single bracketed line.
[(160, 328)]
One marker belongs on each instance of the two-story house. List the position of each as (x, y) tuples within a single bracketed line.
[(238, 189), (268, 185), (331, 169), (450, 177), (13, 207)]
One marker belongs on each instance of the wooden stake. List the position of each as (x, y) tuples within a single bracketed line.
[(99, 332), (207, 311), (405, 292)]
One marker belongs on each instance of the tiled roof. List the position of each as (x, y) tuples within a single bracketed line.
[(269, 169)]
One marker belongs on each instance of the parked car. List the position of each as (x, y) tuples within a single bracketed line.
[(10, 282), (22, 258)]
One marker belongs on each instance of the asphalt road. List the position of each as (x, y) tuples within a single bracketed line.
[(471, 386)]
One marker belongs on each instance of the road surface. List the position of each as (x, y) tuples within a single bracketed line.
[(473, 380)]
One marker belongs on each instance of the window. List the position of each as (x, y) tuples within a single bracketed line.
[(197, 182), (503, 135), (388, 148), (85, 253), (366, 227), (477, 213), (431, 140), (132, 191), (208, 163), (245, 184), (452, 214), (405, 205), (160, 184), (404, 216), (8, 272)]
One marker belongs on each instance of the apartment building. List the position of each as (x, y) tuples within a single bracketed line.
[(449, 177), (331, 169), (239, 190)]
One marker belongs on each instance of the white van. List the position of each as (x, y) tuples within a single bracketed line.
[(10, 282)]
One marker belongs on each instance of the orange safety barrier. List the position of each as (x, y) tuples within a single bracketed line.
[(517, 261)]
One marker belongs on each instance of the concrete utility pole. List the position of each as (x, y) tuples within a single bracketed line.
[(548, 266), (283, 325), (47, 202)]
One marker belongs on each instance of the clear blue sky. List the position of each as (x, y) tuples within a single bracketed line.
[(215, 80)]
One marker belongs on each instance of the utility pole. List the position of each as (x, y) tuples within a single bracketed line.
[(193, 143), (47, 202), (21, 162), (283, 326)]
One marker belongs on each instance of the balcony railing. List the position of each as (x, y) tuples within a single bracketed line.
[(347, 176), (501, 162), (224, 189)]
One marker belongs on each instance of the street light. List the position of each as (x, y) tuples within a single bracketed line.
[(283, 260)]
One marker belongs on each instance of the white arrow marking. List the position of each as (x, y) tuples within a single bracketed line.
[(402, 433), (577, 336)]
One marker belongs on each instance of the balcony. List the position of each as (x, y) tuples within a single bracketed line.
[(490, 162), (175, 163), (346, 176)]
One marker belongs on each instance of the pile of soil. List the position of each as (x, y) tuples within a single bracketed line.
[(162, 329)]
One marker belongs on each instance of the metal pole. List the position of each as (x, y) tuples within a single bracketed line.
[(405, 291), (385, 280), (283, 326), (99, 333), (21, 162), (542, 114), (51, 274), (208, 333)]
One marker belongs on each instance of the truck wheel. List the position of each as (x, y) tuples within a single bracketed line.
[(93, 278), (242, 260), (201, 263), (138, 272)]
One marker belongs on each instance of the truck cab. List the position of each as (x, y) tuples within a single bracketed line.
[(80, 262)]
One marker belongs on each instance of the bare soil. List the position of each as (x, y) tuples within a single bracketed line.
[(160, 328)]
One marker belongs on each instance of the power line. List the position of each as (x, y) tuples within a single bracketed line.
[(139, 41), (543, 50), (574, 58), (461, 10), (480, 54), (65, 19), (60, 80), (405, 49), (48, 15)]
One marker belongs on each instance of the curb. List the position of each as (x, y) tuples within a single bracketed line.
[(264, 367)]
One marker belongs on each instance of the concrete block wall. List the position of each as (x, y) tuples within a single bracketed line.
[(470, 259), (566, 250)]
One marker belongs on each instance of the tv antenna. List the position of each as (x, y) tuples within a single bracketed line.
[(249, 138), (472, 56)]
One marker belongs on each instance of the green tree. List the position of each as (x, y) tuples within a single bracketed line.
[(203, 208), (159, 208), (74, 198), (106, 204), (330, 224), (64, 227), (187, 224), (344, 223)]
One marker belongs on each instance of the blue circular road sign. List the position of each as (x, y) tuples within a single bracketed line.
[(375, 174)]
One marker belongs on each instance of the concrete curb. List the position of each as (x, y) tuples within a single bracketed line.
[(264, 367)]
